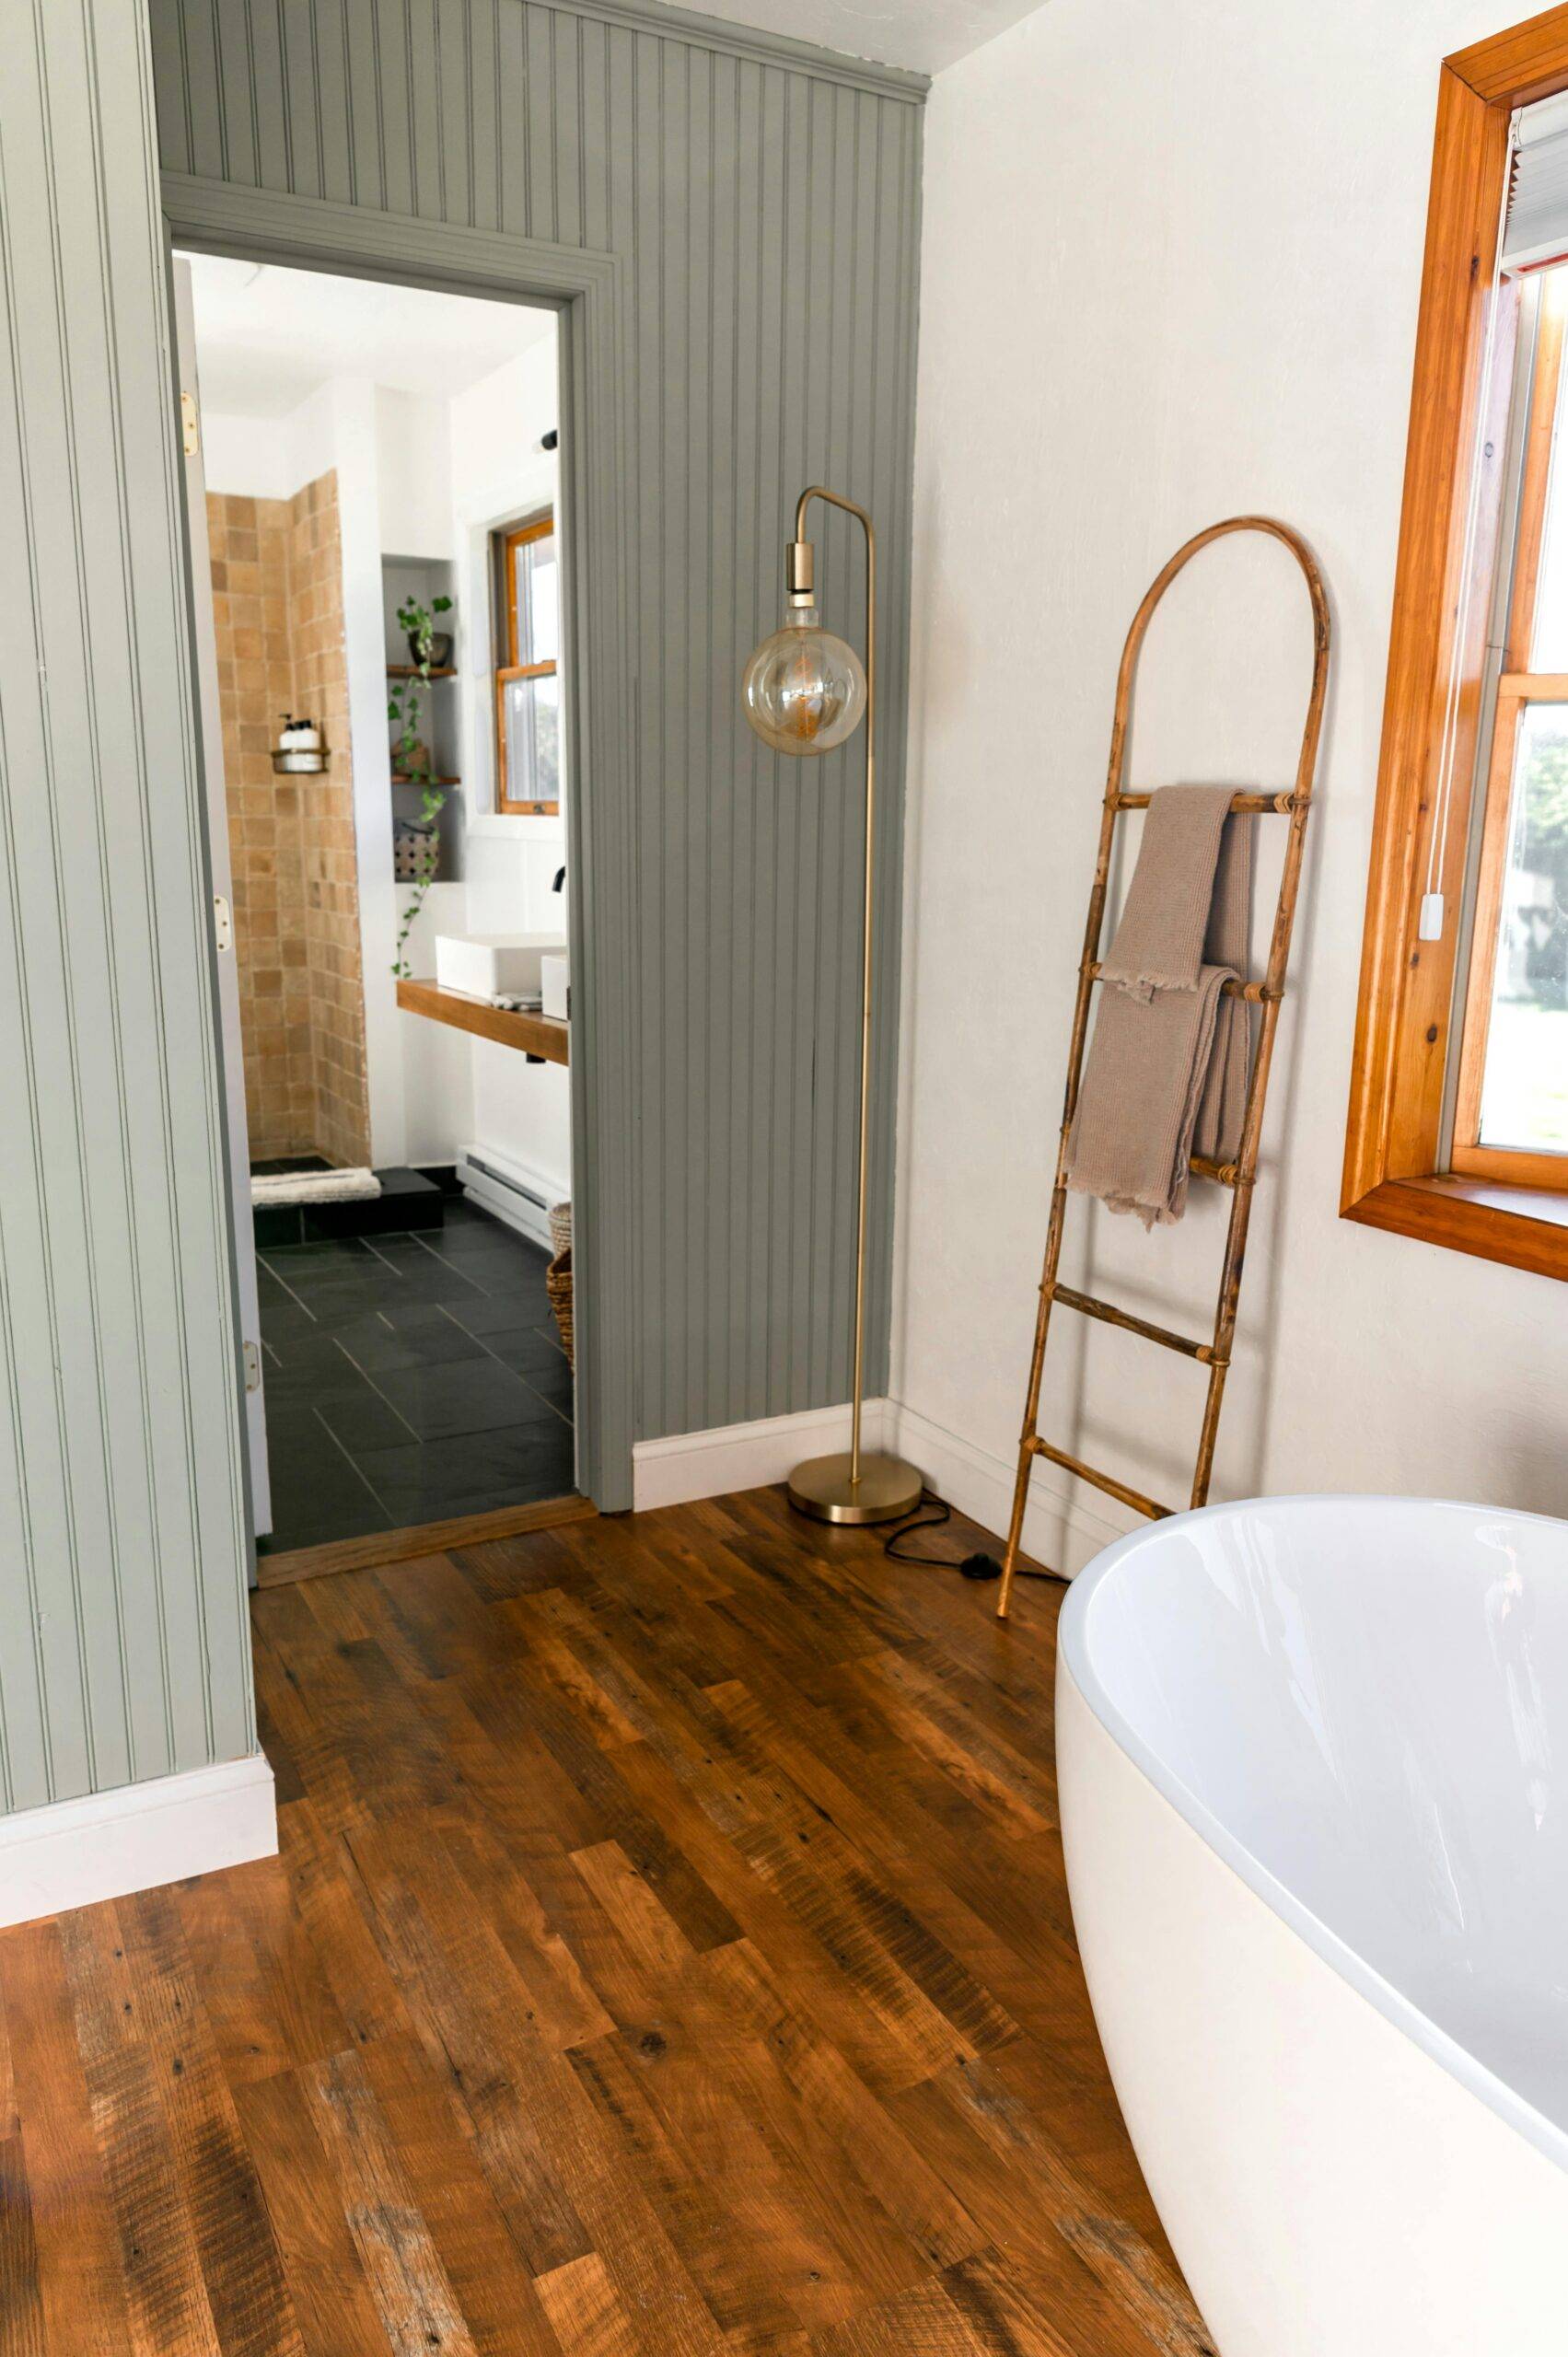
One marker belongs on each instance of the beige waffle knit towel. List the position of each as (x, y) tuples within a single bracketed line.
[(1165, 1074)]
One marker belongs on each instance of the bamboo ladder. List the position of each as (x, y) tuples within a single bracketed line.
[(1239, 1175)]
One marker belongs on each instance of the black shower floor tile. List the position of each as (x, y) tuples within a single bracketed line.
[(405, 1384)]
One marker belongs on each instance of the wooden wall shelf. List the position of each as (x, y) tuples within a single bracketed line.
[(544, 1036), (408, 671)]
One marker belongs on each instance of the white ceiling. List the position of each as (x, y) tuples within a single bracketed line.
[(267, 337), (924, 35)]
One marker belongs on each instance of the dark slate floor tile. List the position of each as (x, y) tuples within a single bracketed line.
[(527, 1350), (328, 1254), (421, 1335), (285, 1321), (554, 1384), (472, 1473), (291, 1383), (481, 1236), (271, 1291), (502, 1312), (317, 1492), (318, 1518), (367, 1339), (463, 1396), (337, 1305), (362, 1418)]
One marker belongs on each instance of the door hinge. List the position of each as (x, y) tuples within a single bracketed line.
[(190, 427), (252, 1357), (223, 922)]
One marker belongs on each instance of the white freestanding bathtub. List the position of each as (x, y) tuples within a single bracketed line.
[(1314, 1771)]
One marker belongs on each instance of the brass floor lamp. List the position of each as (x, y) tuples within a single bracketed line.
[(806, 692)]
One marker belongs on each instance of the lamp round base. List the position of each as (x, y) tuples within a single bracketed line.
[(887, 1488)]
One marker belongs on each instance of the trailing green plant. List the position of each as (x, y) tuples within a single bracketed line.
[(411, 755)]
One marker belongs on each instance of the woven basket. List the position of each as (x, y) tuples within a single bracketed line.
[(558, 1277)]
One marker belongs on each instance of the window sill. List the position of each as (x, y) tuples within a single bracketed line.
[(1524, 1228)]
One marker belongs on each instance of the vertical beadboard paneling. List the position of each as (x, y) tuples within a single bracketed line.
[(763, 202), (123, 1650)]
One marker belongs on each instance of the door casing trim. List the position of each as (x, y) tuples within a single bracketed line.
[(586, 288)]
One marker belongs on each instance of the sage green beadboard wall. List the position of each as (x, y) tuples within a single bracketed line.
[(123, 1639), (764, 199)]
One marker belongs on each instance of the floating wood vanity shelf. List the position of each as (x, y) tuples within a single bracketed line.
[(541, 1036)]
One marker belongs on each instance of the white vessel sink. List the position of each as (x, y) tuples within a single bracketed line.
[(493, 965)]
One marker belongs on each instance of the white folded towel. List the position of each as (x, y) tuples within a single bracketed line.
[(315, 1187)]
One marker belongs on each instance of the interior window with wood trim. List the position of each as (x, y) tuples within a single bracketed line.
[(528, 679), (1459, 1121)]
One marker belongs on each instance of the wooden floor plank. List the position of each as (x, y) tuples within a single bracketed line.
[(306, 2207), (160, 2261), (247, 2289), (22, 2330), (668, 1955), (451, 2193), (72, 2277)]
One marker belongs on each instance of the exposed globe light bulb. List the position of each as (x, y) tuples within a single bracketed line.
[(804, 690)]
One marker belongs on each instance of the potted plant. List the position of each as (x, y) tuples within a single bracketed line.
[(412, 762)]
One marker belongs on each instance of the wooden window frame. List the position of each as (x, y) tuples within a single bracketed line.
[(1394, 1172), (538, 527)]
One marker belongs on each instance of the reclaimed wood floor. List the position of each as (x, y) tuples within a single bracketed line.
[(668, 1956)]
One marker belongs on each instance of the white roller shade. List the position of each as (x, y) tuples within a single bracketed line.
[(1535, 229)]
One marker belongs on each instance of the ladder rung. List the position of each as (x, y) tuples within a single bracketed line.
[(1255, 993), (1260, 804), (1106, 1482), (1223, 1174), (1088, 1306)]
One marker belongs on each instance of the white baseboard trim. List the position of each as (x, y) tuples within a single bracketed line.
[(711, 1464), (73, 1854), (517, 1192), (1065, 1536), (686, 1466)]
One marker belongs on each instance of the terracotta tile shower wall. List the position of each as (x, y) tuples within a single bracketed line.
[(277, 596)]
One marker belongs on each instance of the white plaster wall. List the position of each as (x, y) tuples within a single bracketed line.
[(415, 473), (1171, 268), (270, 456)]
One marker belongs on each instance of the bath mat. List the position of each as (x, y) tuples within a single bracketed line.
[(316, 1187)]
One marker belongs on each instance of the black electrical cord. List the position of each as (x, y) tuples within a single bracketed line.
[(972, 1567)]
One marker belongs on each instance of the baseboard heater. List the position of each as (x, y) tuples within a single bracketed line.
[(509, 1195)]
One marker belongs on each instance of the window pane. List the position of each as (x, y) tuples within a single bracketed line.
[(533, 739), (539, 600), (1549, 635), (1524, 1099)]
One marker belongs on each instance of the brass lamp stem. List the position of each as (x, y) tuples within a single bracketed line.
[(867, 1485), (804, 576)]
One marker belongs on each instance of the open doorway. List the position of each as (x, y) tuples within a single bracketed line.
[(376, 568)]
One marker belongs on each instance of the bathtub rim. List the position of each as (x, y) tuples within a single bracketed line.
[(1074, 1642)]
